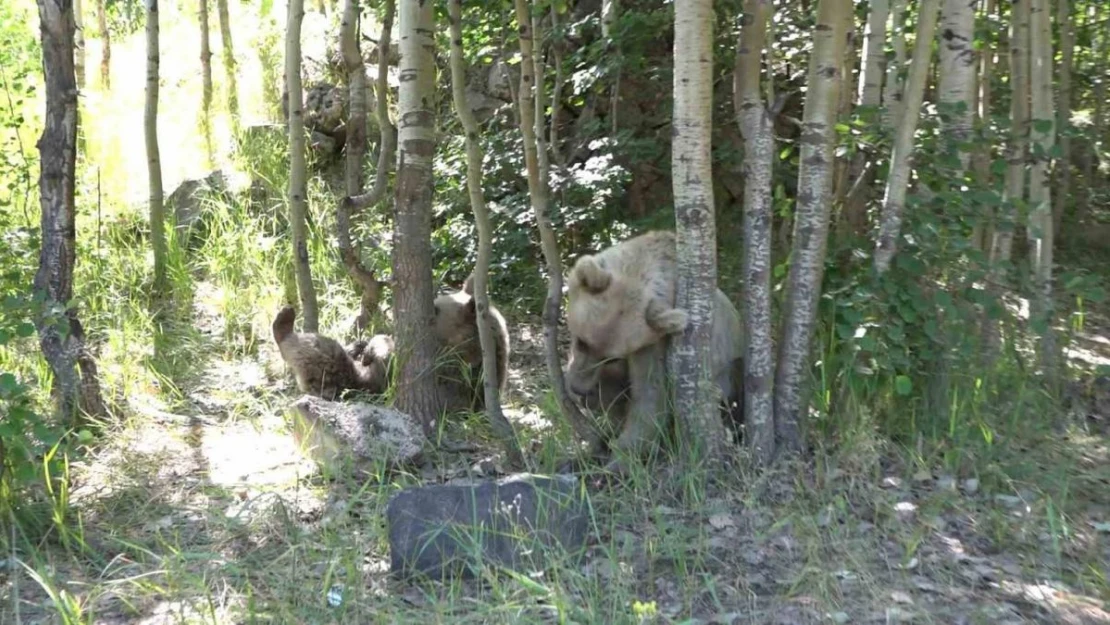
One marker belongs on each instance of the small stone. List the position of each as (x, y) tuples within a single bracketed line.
[(904, 510), (946, 482), (923, 475), (840, 617), (892, 482), (721, 521), (971, 486), (1010, 501), (335, 596), (899, 596)]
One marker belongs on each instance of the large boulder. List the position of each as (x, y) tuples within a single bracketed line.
[(187, 202), (342, 436), (521, 522)]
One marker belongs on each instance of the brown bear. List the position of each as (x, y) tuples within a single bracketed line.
[(376, 355), (610, 398), (621, 306), (320, 364), (456, 330)]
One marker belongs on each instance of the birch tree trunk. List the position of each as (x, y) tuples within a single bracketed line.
[(870, 98), (1014, 191), (1066, 27), (690, 353), (981, 157), (76, 385), (842, 165), (298, 197), (229, 58), (892, 90), (538, 192), (756, 126), (1043, 134), (417, 392), (153, 156), (898, 181), (206, 80), (474, 155), (957, 72), (79, 44), (105, 45), (1101, 44), (364, 278), (874, 58), (205, 58), (811, 224)]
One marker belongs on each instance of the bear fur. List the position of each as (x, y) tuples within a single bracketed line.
[(456, 330), (611, 397), (321, 366), (376, 355), (621, 307)]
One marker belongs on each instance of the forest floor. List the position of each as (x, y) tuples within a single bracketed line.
[(209, 512)]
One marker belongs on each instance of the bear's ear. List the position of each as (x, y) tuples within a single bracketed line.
[(666, 320), (468, 286), (591, 275)]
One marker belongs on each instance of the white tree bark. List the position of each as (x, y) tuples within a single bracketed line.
[(355, 148), (153, 156), (696, 396), (1066, 25), (874, 56), (811, 223), (870, 97), (79, 44), (500, 424), (1014, 191), (1043, 134), (417, 392), (957, 69), (892, 90), (205, 58), (229, 57), (298, 188), (898, 182), (757, 128), (105, 45)]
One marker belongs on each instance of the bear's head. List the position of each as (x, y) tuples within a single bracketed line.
[(613, 385), (456, 320), (611, 318)]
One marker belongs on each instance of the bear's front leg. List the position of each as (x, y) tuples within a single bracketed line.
[(647, 413)]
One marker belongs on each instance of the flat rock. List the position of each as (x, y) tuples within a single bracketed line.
[(522, 521), (338, 432)]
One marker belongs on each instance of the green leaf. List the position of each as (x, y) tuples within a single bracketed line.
[(903, 385), (24, 330), (8, 384), (1042, 125)]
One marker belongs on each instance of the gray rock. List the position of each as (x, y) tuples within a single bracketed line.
[(187, 200), (341, 433), (521, 522)]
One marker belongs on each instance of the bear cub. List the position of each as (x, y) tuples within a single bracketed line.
[(456, 331), (321, 366)]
